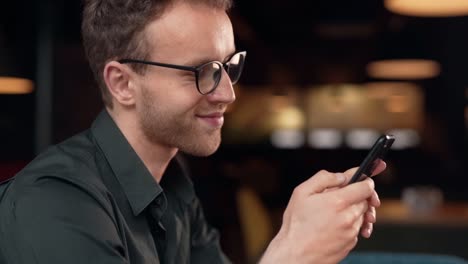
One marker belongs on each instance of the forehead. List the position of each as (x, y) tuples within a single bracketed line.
[(186, 32)]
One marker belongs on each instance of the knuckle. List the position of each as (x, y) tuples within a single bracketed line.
[(340, 203), (365, 207), (298, 190), (351, 218), (367, 187), (348, 220), (370, 184), (322, 174), (355, 214)]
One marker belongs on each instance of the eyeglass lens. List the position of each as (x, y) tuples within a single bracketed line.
[(210, 73)]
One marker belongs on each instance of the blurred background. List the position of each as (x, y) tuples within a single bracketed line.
[(323, 80)]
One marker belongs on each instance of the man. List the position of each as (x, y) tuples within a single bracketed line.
[(117, 193)]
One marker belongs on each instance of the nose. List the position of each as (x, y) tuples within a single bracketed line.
[(224, 93)]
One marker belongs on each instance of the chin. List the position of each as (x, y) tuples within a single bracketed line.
[(202, 154), (202, 150)]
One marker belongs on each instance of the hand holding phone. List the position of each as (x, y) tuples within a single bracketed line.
[(377, 153)]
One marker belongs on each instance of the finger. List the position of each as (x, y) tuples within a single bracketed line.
[(359, 213), (354, 193), (349, 173), (381, 165), (370, 215), (361, 209), (353, 217), (374, 200), (366, 230), (333, 188), (379, 168), (321, 181), (358, 210)]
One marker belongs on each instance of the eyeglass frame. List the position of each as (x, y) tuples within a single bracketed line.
[(194, 69)]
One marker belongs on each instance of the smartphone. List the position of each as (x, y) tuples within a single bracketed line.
[(377, 153)]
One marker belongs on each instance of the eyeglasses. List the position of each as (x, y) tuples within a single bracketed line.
[(208, 75)]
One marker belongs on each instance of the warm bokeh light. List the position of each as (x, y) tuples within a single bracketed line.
[(320, 116), (383, 90), (428, 8), (289, 118), (260, 111), (377, 105), (403, 69), (398, 104), (11, 85)]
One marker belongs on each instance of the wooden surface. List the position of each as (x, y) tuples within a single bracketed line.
[(449, 213)]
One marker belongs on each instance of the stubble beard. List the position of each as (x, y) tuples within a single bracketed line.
[(176, 130)]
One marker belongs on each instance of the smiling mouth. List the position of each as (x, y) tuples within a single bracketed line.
[(212, 120)]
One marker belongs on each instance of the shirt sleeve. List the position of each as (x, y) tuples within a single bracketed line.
[(205, 247), (55, 221)]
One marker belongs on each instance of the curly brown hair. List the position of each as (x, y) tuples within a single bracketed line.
[(113, 29)]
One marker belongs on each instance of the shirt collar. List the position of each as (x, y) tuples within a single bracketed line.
[(137, 182)]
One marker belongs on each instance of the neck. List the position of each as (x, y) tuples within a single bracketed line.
[(156, 157)]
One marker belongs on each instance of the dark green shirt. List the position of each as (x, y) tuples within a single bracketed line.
[(90, 199)]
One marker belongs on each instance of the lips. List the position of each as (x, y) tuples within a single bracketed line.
[(214, 120)]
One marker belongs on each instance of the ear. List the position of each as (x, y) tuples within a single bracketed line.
[(118, 79)]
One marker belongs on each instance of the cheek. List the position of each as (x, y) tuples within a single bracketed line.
[(175, 99)]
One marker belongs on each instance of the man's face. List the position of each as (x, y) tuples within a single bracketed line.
[(171, 111)]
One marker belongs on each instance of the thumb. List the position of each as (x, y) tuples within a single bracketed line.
[(321, 181)]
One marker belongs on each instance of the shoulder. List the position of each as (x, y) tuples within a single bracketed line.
[(66, 159), (74, 159), (52, 218), (72, 163), (63, 182)]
